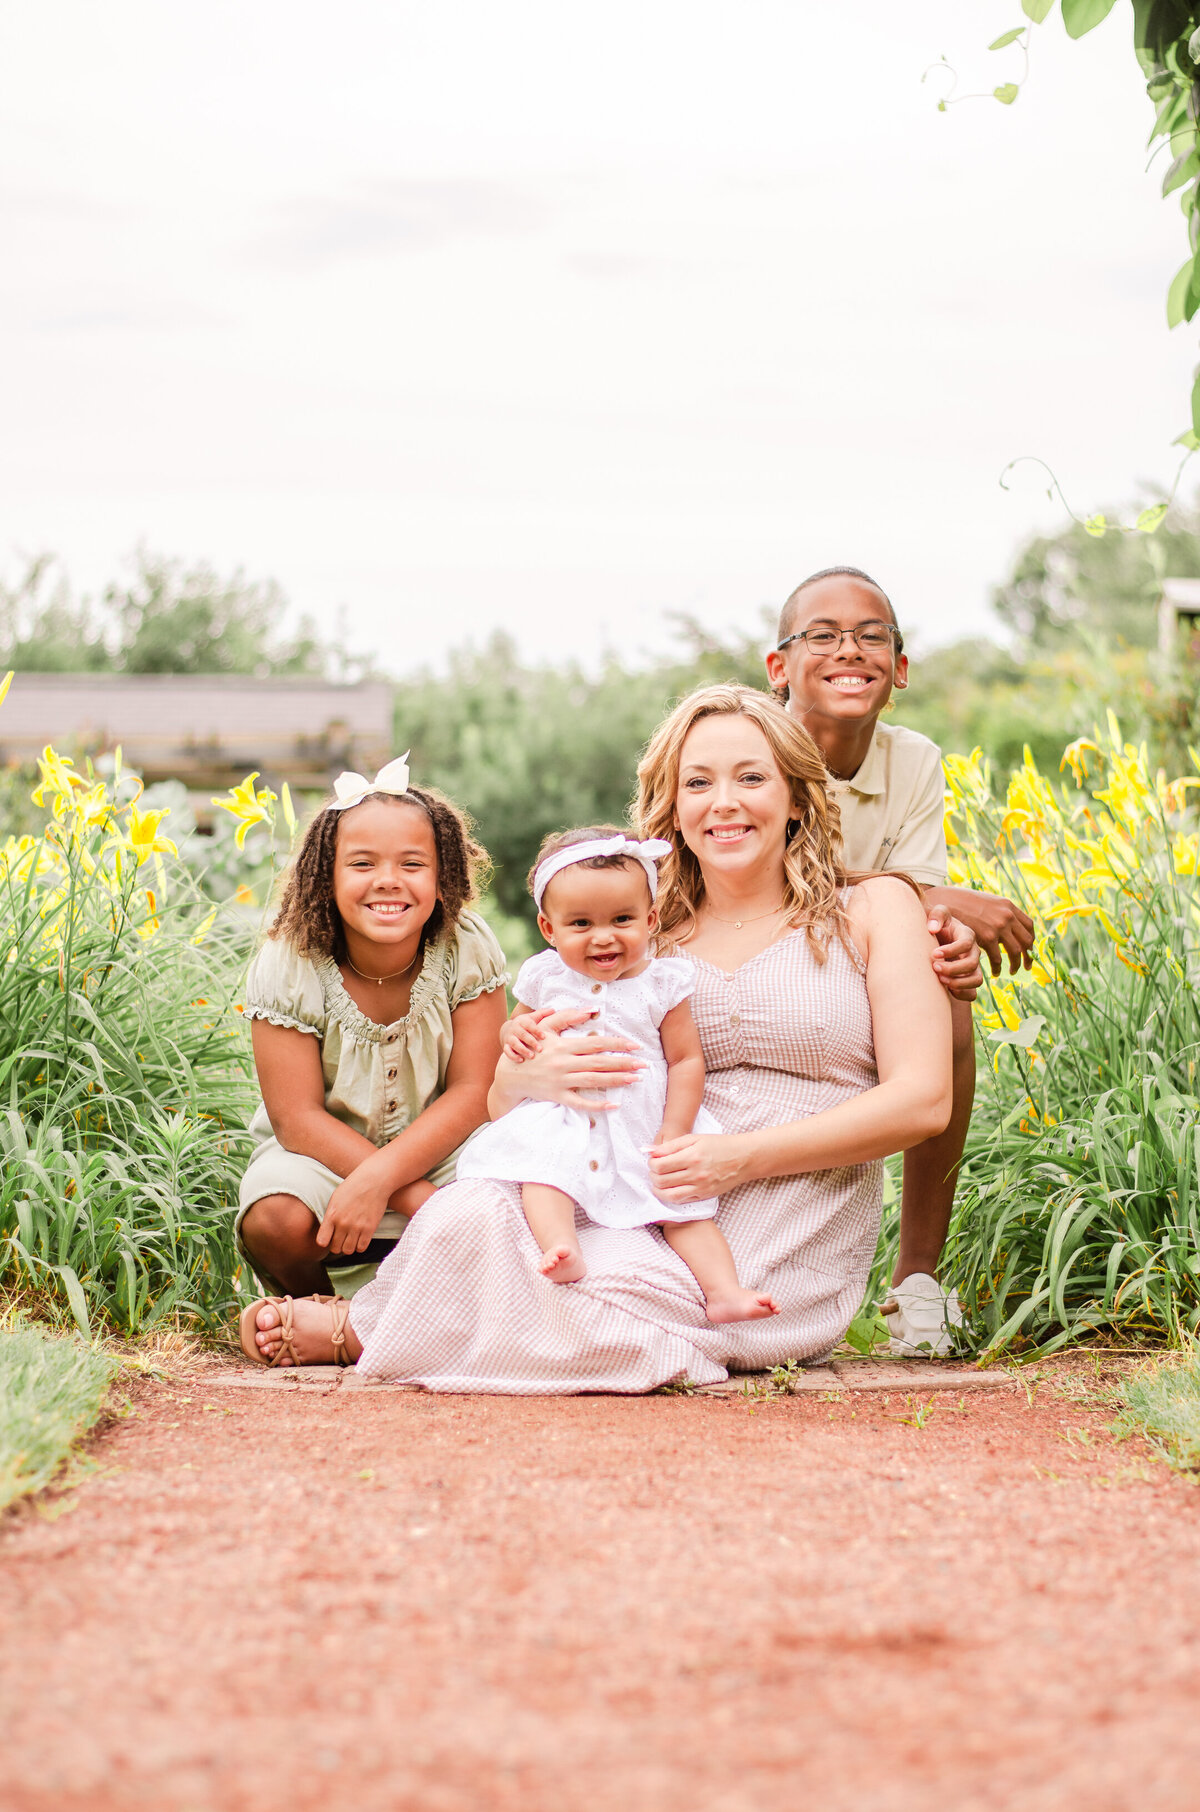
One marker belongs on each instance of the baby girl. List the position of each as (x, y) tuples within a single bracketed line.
[(595, 890)]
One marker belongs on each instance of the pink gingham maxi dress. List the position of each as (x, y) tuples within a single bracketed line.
[(460, 1305)]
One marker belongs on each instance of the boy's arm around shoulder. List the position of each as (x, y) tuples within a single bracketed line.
[(685, 1071)]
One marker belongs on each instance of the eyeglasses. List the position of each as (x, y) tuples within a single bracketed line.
[(870, 637)]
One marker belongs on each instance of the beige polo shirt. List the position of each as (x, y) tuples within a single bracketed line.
[(892, 808)]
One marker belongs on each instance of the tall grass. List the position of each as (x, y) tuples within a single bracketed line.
[(1162, 1402), (51, 1392), (124, 1078), (1079, 1209)]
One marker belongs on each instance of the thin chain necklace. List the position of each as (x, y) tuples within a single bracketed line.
[(738, 923), (380, 979)]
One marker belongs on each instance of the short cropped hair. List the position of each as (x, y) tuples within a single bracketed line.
[(835, 572)]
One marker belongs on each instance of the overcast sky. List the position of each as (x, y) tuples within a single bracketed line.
[(562, 317)]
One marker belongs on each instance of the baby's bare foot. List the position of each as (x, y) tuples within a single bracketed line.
[(562, 1264), (740, 1305)]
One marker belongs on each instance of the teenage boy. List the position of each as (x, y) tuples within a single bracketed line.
[(839, 656)]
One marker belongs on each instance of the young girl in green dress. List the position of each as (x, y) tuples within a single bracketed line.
[(376, 1006)]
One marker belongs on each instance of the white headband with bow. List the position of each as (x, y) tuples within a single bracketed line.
[(647, 852), (351, 789)]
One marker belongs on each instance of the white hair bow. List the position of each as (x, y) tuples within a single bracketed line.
[(352, 789)]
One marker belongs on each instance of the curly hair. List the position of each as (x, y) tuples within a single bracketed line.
[(558, 840), (813, 872), (308, 917)]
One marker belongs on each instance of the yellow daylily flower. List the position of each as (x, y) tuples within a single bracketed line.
[(248, 807), (58, 780), (141, 835)]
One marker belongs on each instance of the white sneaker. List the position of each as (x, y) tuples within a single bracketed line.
[(921, 1315)]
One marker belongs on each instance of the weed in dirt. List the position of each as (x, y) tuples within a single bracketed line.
[(678, 1387), (52, 1390), (1162, 1402), (920, 1413)]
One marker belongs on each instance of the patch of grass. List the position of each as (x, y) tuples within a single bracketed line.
[(52, 1390), (1163, 1404)]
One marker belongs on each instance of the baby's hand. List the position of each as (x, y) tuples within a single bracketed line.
[(521, 1036)]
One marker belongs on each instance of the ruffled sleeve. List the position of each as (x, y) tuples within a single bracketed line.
[(475, 963), (283, 987), (670, 979), (534, 976)]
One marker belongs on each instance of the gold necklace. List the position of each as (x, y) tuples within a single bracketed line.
[(380, 979), (738, 923)]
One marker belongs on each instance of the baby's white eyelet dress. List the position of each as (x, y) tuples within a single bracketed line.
[(598, 1159)]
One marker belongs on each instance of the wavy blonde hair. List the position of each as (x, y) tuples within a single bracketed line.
[(813, 872)]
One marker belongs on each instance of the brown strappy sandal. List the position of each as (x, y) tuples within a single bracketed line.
[(287, 1355)]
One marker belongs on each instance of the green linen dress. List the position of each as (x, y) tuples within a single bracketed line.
[(378, 1078)]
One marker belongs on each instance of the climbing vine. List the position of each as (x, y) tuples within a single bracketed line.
[(1166, 41)]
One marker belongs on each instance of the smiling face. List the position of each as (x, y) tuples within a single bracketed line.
[(600, 920), (384, 872), (733, 802), (848, 684)]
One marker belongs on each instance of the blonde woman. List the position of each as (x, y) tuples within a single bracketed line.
[(826, 1041)]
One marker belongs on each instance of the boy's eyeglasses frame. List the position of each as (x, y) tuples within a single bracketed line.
[(802, 635)]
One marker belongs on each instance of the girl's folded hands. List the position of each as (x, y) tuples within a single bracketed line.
[(355, 1210)]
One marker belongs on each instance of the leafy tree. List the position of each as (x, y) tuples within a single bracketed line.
[(169, 618), (177, 619), (528, 749), (44, 630), (1076, 582)]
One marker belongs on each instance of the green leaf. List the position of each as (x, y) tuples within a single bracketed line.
[(1196, 405), (1096, 525), (76, 1299), (1036, 9), (1190, 440), (1007, 38), (1007, 92), (1080, 16), (1177, 295), (1150, 518), (1026, 1034), (1181, 171)]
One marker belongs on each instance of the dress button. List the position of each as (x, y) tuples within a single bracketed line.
[(391, 1106), (596, 987), (735, 1019), (593, 1164), (390, 1039), (591, 1123), (391, 1075)]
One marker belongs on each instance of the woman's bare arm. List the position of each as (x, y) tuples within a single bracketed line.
[(911, 1102), (568, 1070)]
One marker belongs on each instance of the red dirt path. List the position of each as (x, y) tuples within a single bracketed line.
[(385, 1602)]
